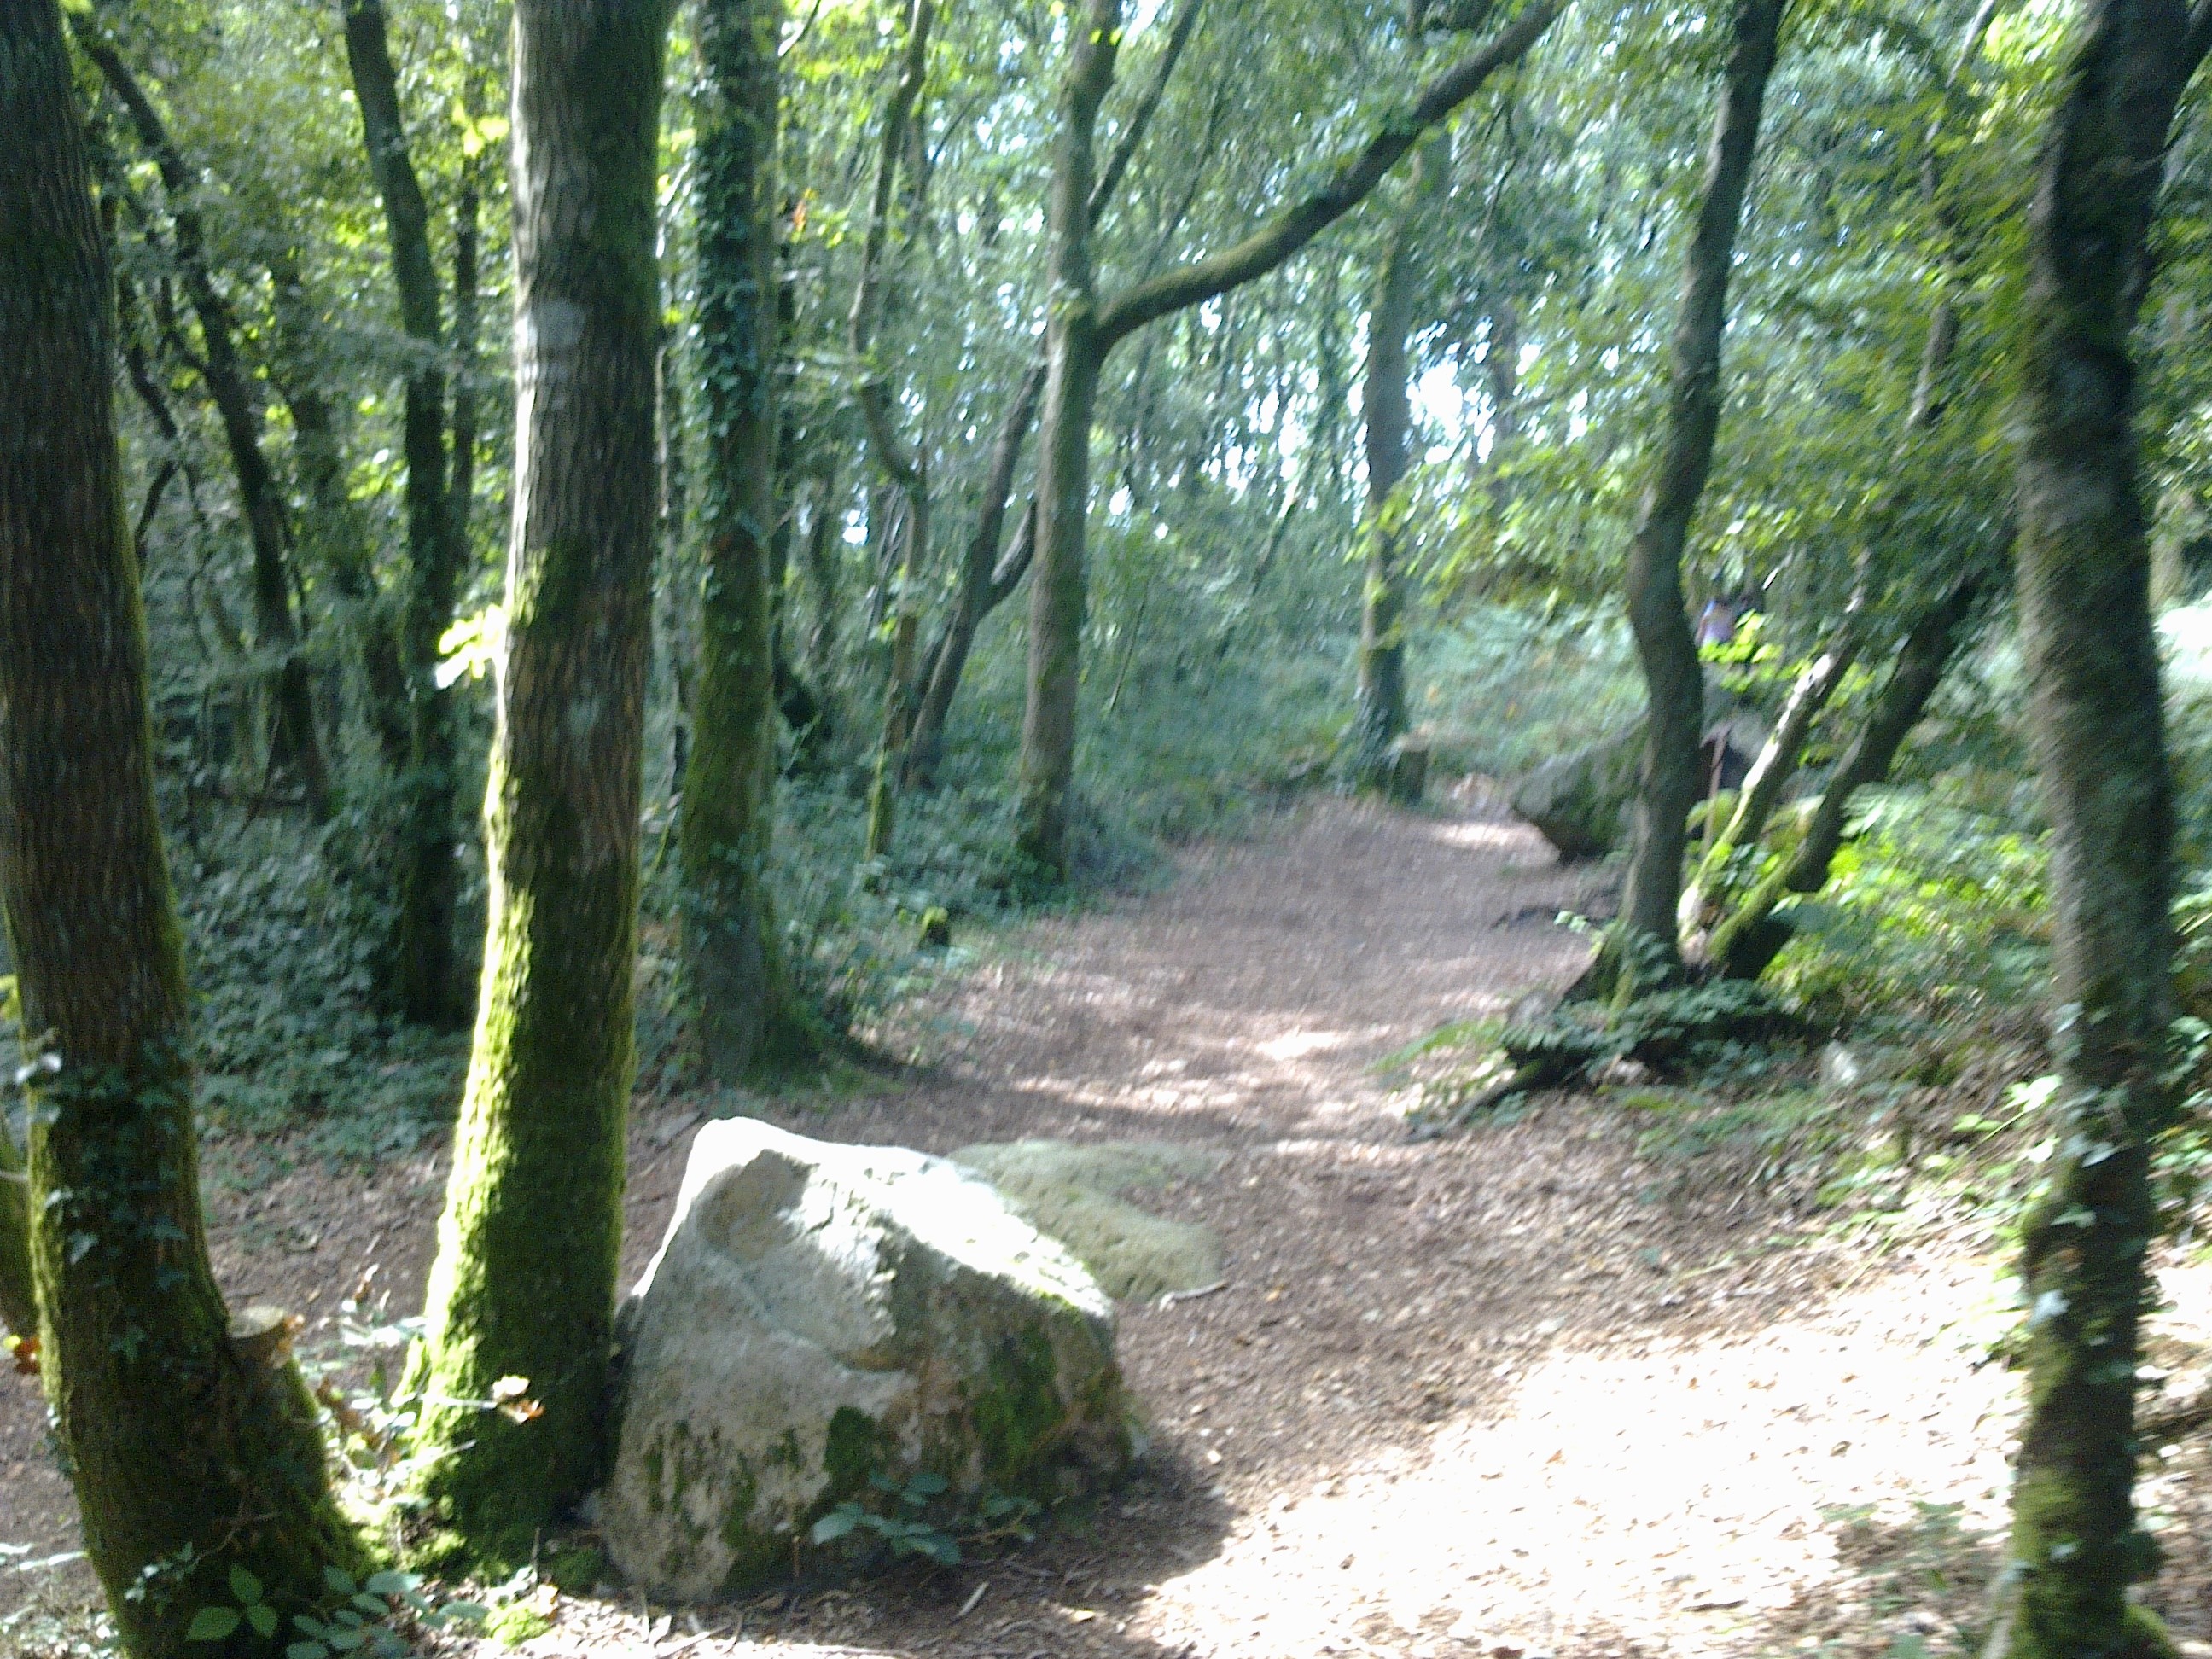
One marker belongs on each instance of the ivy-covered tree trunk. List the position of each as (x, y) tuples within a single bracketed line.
[(193, 1451), (429, 876), (739, 1001), (528, 1248), (1380, 720), (1672, 677), (2083, 567)]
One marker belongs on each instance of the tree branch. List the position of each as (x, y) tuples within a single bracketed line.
[(1260, 253), (1140, 119)]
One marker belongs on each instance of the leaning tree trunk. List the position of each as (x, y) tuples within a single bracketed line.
[(1672, 677), (429, 875), (740, 1004), (1381, 718), (193, 1445), (1742, 944), (524, 1281), (2083, 571)]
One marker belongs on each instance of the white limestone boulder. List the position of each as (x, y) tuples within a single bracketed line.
[(818, 1314)]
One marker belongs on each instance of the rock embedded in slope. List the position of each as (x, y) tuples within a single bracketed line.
[(818, 1314)]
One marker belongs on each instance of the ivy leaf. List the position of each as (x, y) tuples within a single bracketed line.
[(212, 1625)]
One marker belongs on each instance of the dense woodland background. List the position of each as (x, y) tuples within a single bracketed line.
[(1448, 366)]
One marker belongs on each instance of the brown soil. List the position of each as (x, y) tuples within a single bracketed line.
[(1525, 1391)]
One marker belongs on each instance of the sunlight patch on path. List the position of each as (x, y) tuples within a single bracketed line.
[(1669, 1497)]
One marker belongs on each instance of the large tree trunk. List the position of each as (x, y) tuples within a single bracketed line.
[(429, 876), (1074, 354), (524, 1281), (2083, 569), (1674, 679), (1380, 717), (193, 1452), (19, 1303), (296, 740), (739, 1000)]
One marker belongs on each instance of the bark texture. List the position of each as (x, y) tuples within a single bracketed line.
[(1672, 677), (429, 876), (740, 1003), (2083, 571), (191, 1452), (523, 1284)]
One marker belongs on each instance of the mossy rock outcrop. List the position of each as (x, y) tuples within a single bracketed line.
[(820, 1314), (1076, 1192), (1579, 801)]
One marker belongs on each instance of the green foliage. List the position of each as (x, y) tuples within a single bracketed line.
[(374, 1616), (1932, 905), (919, 1518)]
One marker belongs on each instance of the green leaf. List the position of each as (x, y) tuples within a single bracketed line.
[(836, 1524), (470, 1613), (340, 1581), (244, 1586), (262, 1618), (391, 1584), (927, 1485), (374, 1606), (306, 1650), (211, 1624), (345, 1641)]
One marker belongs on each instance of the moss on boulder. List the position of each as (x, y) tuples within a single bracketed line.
[(1075, 1192)]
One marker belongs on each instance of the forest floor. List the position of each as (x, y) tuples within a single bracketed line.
[(1537, 1389)]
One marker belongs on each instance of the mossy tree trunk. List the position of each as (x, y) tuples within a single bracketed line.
[(741, 1002), (2083, 569), (19, 1303), (191, 1453), (429, 876), (1674, 678), (1380, 720), (528, 1248)]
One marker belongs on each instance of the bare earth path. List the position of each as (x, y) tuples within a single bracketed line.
[(1520, 1393)]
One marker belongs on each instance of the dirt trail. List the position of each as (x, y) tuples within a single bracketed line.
[(1520, 1393)]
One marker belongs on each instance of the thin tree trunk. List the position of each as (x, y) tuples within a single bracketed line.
[(1672, 677), (1380, 720), (824, 536), (194, 1449), (2083, 571), (19, 1301), (338, 540), (429, 875), (978, 595), (296, 740), (740, 1004), (541, 1130)]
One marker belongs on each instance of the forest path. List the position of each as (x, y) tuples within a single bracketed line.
[(1524, 1392)]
